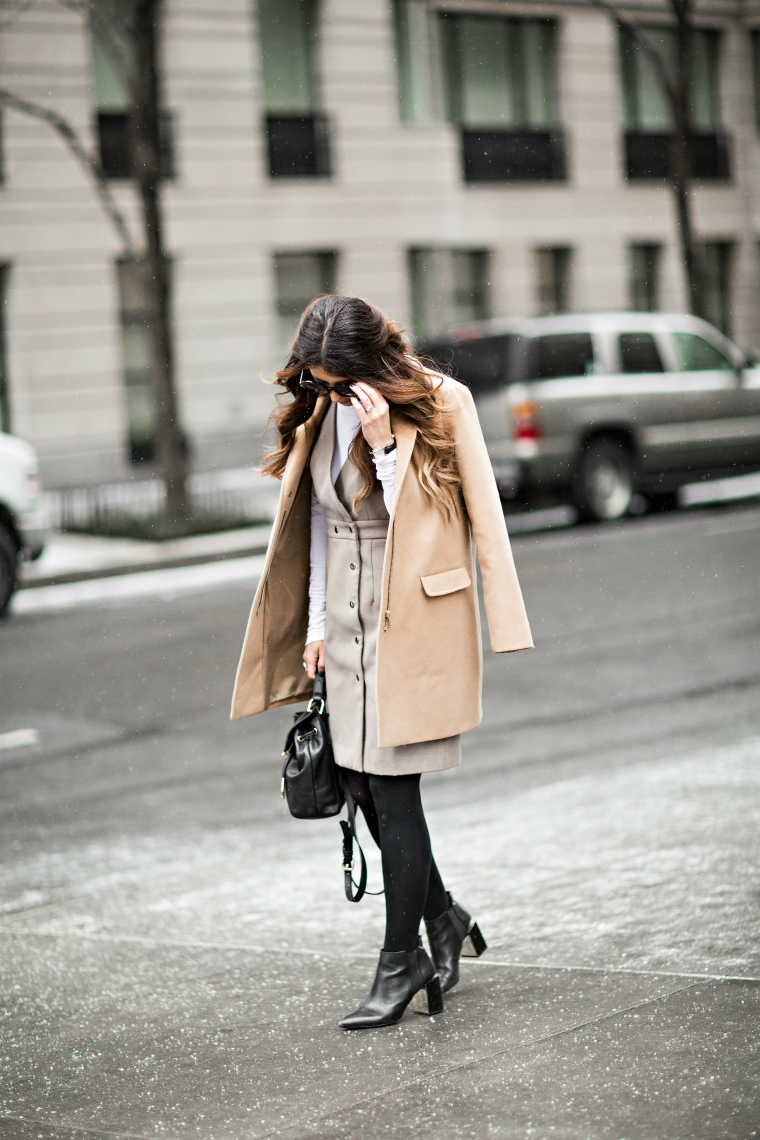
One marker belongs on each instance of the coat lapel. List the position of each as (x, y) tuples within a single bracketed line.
[(405, 433)]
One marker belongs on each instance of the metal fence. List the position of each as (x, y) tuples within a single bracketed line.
[(237, 493)]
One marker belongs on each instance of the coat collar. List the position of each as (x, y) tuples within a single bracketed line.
[(405, 433), (402, 427)]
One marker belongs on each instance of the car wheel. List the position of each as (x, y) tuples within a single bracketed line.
[(604, 484), (8, 568)]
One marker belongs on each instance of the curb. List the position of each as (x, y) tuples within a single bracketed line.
[(140, 567)]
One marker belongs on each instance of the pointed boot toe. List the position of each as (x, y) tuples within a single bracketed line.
[(453, 935), (402, 977)]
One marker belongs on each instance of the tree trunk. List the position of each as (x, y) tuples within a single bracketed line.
[(681, 159), (171, 445)]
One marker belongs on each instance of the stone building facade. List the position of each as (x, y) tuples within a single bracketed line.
[(448, 159)]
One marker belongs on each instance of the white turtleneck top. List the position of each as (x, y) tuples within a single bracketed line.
[(347, 424)]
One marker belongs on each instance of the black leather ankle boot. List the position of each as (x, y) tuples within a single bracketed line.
[(453, 935), (402, 977)]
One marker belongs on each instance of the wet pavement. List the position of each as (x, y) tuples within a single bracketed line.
[(176, 950)]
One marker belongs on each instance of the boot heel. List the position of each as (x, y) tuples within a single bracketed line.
[(429, 999), (474, 944)]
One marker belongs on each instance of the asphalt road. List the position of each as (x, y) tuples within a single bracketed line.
[(175, 949)]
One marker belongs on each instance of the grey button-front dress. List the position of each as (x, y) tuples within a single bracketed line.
[(355, 553)]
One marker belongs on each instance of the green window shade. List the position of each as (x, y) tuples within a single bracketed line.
[(112, 56), (499, 73), (413, 60), (698, 355), (299, 278), (286, 29), (703, 94), (645, 102), (449, 288)]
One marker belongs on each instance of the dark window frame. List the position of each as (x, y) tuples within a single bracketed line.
[(114, 134), (519, 153), (298, 145)]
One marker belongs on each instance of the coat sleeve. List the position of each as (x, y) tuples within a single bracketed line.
[(505, 609)]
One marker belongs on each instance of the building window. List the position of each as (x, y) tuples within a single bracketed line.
[(137, 361), (644, 277), (716, 284), (113, 105), (413, 56), (299, 278), (5, 395), (450, 289), (296, 131), (756, 73), (500, 90), (648, 114), (553, 279)]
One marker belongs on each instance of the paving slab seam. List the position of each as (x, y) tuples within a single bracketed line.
[(486, 1057), (431, 1075), (62, 1125), (320, 955)]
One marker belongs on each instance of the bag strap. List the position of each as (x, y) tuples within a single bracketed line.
[(349, 838)]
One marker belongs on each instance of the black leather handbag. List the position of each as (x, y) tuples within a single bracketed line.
[(312, 785), (310, 780)]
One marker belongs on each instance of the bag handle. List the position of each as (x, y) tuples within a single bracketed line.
[(349, 837)]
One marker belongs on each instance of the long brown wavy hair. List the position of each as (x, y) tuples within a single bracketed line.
[(352, 339)]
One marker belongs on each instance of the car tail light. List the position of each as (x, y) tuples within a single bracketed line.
[(525, 422)]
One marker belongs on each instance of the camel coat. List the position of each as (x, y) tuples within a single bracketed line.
[(429, 657), (356, 544)]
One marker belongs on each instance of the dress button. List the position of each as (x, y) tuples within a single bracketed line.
[(358, 677), (351, 604), (353, 565), (356, 639), (336, 530)]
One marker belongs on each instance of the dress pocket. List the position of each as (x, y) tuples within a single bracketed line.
[(446, 582)]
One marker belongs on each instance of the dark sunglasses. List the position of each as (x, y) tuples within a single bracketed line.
[(306, 380)]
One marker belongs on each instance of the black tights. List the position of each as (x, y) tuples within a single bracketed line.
[(392, 808)]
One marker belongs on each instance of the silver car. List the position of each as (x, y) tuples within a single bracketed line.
[(599, 407)]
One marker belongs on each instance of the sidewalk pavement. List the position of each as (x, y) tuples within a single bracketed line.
[(71, 558), (78, 557), (190, 985)]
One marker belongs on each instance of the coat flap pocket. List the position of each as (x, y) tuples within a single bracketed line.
[(446, 583)]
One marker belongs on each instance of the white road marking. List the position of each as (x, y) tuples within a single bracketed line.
[(19, 738), (145, 584)]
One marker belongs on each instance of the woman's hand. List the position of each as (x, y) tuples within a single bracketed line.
[(314, 658), (372, 409)]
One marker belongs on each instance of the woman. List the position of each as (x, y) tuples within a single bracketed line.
[(370, 575)]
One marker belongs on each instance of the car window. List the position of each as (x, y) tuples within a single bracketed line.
[(560, 354), (698, 355), (639, 353), (480, 364)]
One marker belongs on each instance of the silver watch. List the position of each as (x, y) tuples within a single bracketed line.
[(386, 450)]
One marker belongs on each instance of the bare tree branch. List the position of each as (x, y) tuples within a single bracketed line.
[(108, 27), (639, 35), (85, 160)]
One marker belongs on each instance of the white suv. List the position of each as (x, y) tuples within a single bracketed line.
[(23, 527)]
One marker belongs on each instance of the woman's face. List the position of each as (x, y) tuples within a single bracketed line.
[(327, 378)]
